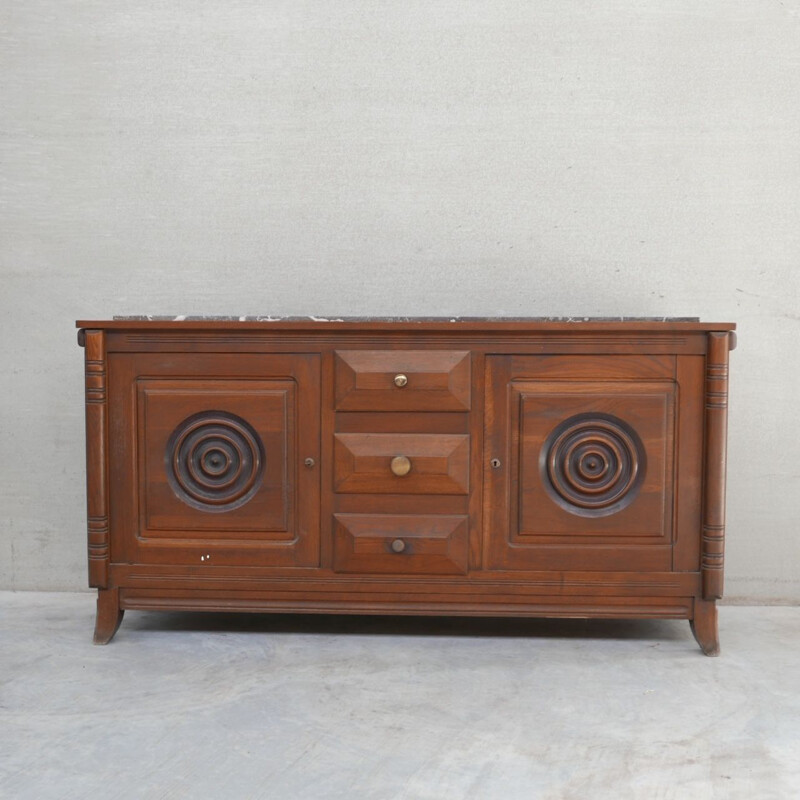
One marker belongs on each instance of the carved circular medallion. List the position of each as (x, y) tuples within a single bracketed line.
[(214, 461), (592, 464)]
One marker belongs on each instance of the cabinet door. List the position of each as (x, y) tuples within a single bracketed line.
[(579, 462), (207, 464)]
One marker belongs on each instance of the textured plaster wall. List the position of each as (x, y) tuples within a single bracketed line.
[(397, 158)]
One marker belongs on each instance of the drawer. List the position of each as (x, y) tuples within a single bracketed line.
[(400, 543), (402, 380), (401, 463)]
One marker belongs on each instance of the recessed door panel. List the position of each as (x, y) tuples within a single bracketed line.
[(592, 458), (215, 456), (579, 472), (211, 471)]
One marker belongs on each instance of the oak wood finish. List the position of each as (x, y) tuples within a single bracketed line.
[(277, 396), (704, 626), (96, 456), (716, 391), (400, 543), (481, 468), (415, 463), (430, 380), (109, 615)]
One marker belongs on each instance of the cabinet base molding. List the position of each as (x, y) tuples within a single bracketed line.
[(581, 608)]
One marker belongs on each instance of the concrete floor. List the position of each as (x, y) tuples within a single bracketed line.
[(237, 706)]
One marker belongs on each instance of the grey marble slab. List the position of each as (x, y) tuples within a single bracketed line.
[(269, 318)]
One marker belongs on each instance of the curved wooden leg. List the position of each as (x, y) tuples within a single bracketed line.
[(109, 615), (704, 626)]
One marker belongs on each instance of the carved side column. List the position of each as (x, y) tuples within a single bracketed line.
[(96, 456), (716, 391)]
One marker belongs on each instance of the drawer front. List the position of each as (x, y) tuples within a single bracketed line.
[(400, 543), (402, 380), (401, 463)]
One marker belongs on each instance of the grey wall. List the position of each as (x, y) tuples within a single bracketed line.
[(396, 158)]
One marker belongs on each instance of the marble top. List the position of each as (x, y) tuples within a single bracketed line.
[(270, 318)]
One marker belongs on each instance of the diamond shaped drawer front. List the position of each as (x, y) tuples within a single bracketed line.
[(437, 463), (401, 543), (402, 380)]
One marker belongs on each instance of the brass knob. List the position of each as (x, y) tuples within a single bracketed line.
[(400, 466), (400, 380), (398, 545)]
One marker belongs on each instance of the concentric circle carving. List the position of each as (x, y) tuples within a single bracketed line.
[(214, 461), (593, 464)]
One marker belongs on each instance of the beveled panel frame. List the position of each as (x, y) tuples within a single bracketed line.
[(536, 412), (279, 395), (166, 407), (526, 526)]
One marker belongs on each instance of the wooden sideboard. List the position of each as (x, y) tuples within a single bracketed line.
[(490, 467)]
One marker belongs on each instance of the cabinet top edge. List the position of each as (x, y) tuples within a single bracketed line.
[(405, 324)]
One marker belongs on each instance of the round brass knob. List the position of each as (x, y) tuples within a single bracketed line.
[(401, 466), (400, 380), (398, 545)]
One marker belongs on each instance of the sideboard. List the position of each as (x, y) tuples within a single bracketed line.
[(487, 467)]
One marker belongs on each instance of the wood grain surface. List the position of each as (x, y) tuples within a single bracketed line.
[(379, 470)]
